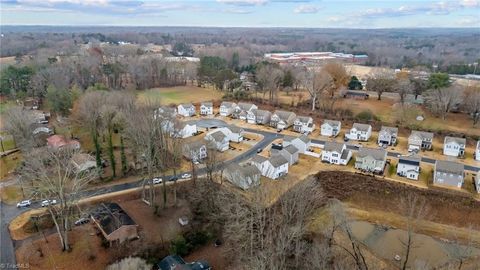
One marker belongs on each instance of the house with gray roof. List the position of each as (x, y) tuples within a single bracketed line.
[(243, 177), (304, 124), (387, 135), (302, 142), (449, 173), (206, 108), (409, 167), (186, 109), (289, 152), (371, 160), (274, 167), (227, 108), (282, 119), (218, 139), (330, 128), (360, 132), (114, 223), (420, 140), (454, 146), (259, 117), (242, 109), (336, 153), (195, 151)]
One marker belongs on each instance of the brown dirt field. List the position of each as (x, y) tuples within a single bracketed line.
[(213, 255), (17, 225)]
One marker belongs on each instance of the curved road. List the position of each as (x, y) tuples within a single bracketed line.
[(9, 212)]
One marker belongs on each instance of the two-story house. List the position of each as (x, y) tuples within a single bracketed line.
[(273, 167), (449, 173), (233, 133), (282, 119), (336, 153), (409, 167), (227, 108), (186, 109), (195, 151), (454, 146), (304, 124), (371, 160), (360, 132), (330, 128), (218, 140), (184, 129), (302, 142), (243, 177), (206, 108), (420, 140), (289, 152), (387, 136), (260, 117), (242, 109)]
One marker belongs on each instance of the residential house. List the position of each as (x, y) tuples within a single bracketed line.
[(261, 117), (289, 152), (43, 130), (186, 109), (282, 119), (371, 160), (206, 108), (242, 109), (243, 177), (477, 151), (195, 151), (273, 167), (454, 146), (448, 173), (175, 262), (233, 133), (336, 153), (304, 124), (59, 141), (184, 129), (219, 140), (165, 112), (409, 167), (420, 140), (83, 162), (260, 162), (387, 135), (360, 132), (227, 108), (114, 223), (302, 142), (330, 128), (477, 182)]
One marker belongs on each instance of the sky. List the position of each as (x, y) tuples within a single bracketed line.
[(244, 13)]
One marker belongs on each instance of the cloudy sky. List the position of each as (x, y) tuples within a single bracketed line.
[(244, 13)]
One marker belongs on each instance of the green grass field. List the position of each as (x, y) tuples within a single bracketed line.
[(180, 94)]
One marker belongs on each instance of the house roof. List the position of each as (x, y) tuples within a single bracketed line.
[(304, 138), (345, 153), (277, 160), (235, 129), (110, 217), (361, 127), (187, 105), (304, 119), (389, 130), (332, 123), (207, 104), (247, 170), (262, 113), (284, 115), (258, 159), (245, 106), (193, 145), (170, 262), (411, 160), (422, 134), (378, 154), (460, 141), (449, 167), (333, 146), (228, 104), (218, 136), (291, 149)]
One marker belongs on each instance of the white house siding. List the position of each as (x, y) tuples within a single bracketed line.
[(251, 119), (477, 151), (299, 144), (186, 111), (448, 179), (453, 149), (188, 131), (359, 135), (326, 129), (206, 110), (368, 163), (276, 172), (408, 170)]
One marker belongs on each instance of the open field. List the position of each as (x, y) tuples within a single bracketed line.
[(181, 94)]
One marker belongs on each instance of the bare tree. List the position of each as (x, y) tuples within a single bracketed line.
[(471, 103), (403, 87), (460, 250), (380, 82), (175, 149), (316, 83), (18, 123), (52, 175), (130, 263), (442, 100)]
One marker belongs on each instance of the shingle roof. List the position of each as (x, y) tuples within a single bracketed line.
[(227, 104), (234, 129), (344, 154), (304, 138), (207, 104), (291, 149), (277, 160), (333, 146), (304, 119), (422, 134), (258, 159), (460, 141), (378, 154), (449, 167), (218, 136), (390, 130), (187, 105), (412, 160), (332, 123), (245, 106), (111, 217), (248, 170), (284, 115), (361, 127), (262, 112)]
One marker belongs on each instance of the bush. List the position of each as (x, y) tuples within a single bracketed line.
[(366, 115), (180, 246)]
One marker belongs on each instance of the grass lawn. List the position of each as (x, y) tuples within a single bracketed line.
[(7, 143), (11, 194), (181, 94), (8, 164)]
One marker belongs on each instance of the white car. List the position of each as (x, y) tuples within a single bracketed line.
[(82, 221), (48, 202), (186, 176), (157, 180), (25, 203)]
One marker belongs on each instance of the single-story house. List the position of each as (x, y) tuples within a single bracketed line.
[(387, 135), (304, 124), (289, 152), (449, 173), (302, 142), (59, 141), (227, 108), (409, 167), (186, 109), (454, 146), (114, 223), (336, 153), (260, 117), (242, 109), (282, 119), (218, 139), (243, 177), (371, 160), (419, 140), (330, 128), (360, 132), (83, 162), (195, 151), (206, 108)]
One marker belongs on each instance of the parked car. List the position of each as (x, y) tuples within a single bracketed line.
[(48, 202), (186, 176), (25, 203), (157, 180), (82, 221), (259, 150)]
